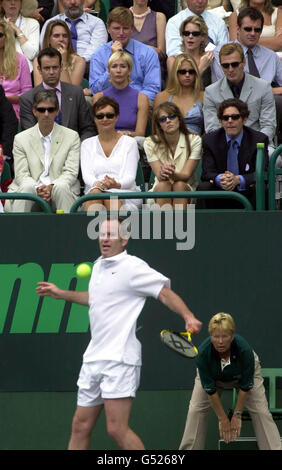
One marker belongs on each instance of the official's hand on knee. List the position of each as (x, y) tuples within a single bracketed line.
[(236, 424), (225, 429)]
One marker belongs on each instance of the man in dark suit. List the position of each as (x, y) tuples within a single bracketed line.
[(74, 111), (8, 127), (229, 156)]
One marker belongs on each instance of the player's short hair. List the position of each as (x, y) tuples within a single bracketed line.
[(236, 103), (45, 95), (122, 16), (231, 47), (223, 321)]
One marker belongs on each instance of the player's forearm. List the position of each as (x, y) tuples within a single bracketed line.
[(171, 300), (81, 298)]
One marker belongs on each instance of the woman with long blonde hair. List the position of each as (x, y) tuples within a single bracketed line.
[(15, 76), (184, 89)]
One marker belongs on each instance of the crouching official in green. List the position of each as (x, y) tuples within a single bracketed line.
[(226, 360)]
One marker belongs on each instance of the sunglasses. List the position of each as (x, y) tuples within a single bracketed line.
[(248, 29), (234, 117), (101, 116), (43, 110), (192, 33), (2, 35), (234, 65), (185, 71), (163, 119)]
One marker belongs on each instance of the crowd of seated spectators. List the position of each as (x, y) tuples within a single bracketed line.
[(146, 85)]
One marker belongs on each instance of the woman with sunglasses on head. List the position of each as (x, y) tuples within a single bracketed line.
[(109, 160), (271, 34), (185, 90), (58, 36), (194, 33), (133, 105), (173, 154), (15, 76), (25, 30)]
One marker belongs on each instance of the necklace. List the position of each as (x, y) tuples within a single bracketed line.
[(143, 14)]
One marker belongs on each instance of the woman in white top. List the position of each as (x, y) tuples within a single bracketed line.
[(271, 36), (26, 30), (109, 161), (173, 154)]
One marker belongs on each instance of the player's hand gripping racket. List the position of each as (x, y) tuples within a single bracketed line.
[(180, 342)]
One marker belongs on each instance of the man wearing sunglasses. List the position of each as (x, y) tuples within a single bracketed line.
[(260, 61), (229, 155), (218, 32), (255, 92), (74, 111), (46, 159)]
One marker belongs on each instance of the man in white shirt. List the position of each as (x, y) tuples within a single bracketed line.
[(218, 32), (46, 159), (109, 377)]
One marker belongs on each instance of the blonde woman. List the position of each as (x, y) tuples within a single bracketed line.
[(15, 76), (57, 35), (227, 361), (173, 154), (271, 36), (133, 105), (194, 33), (184, 89), (26, 30)]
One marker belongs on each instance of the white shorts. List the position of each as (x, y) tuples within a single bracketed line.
[(106, 380)]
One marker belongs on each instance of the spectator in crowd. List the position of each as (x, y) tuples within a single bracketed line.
[(173, 154), (194, 33), (229, 156), (8, 127), (133, 105), (259, 60), (145, 75), (270, 36), (57, 35), (167, 7), (25, 29), (217, 29), (109, 160), (46, 159), (255, 92), (15, 76), (88, 32), (184, 89), (227, 361), (74, 111)]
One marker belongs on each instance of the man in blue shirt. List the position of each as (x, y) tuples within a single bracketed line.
[(267, 64), (229, 155), (145, 75), (218, 32)]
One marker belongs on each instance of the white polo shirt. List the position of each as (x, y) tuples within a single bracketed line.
[(118, 289)]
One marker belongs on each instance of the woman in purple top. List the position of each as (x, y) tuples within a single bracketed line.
[(134, 106)]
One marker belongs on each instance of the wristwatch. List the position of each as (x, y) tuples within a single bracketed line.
[(237, 413)]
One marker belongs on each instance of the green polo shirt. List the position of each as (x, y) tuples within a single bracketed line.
[(240, 369)]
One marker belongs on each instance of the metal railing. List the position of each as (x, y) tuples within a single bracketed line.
[(31, 197), (272, 173)]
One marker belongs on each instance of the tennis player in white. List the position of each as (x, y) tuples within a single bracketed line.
[(110, 372)]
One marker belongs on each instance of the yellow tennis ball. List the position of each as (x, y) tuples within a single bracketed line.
[(83, 270)]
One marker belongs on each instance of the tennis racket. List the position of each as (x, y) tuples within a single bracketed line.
[(180, 342)]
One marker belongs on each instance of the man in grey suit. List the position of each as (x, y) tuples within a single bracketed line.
[(46, 159), (73, 113), (255, 92)]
